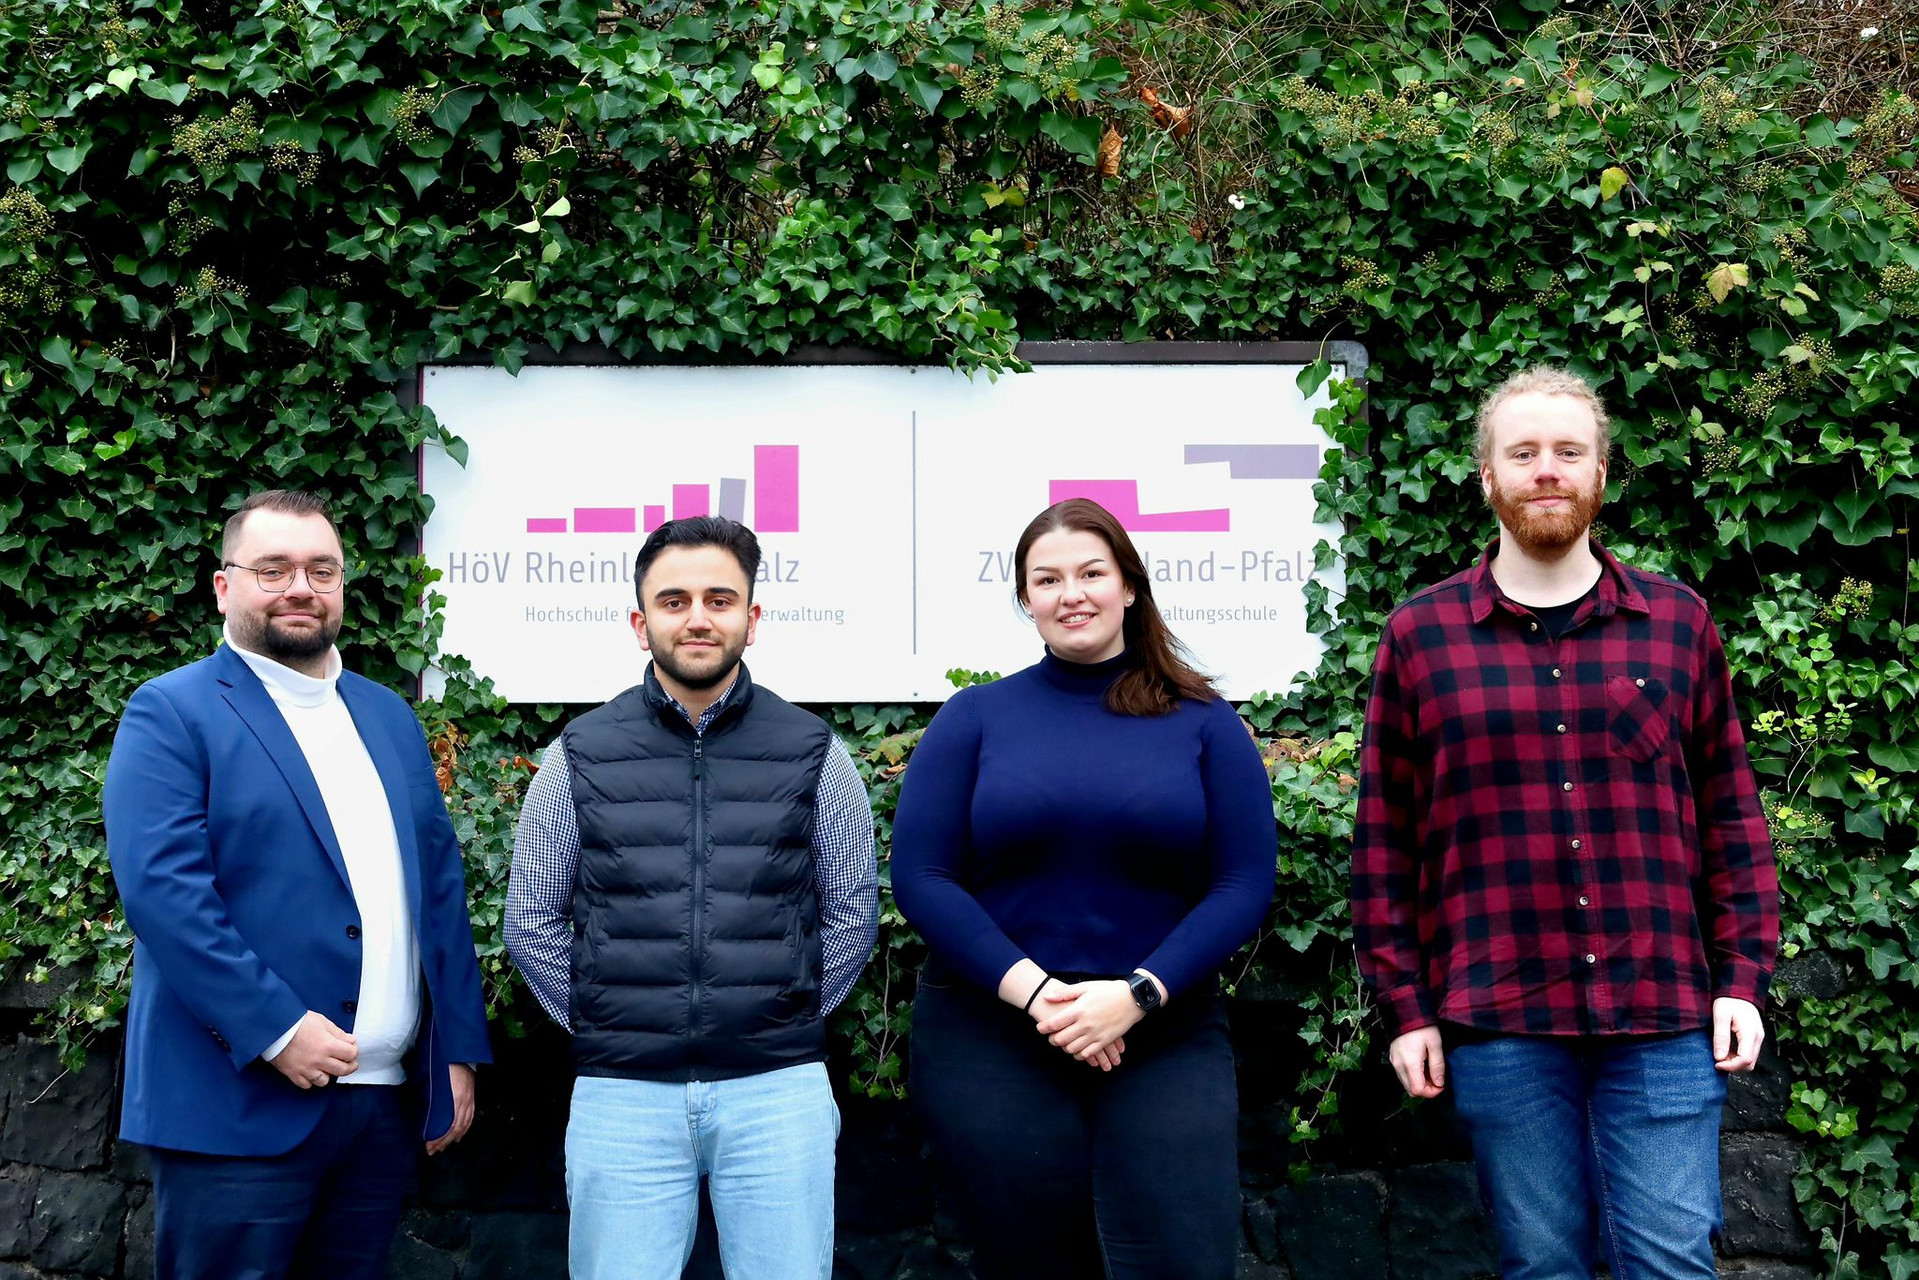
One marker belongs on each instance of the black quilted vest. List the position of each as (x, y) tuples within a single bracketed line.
[(696, 948)]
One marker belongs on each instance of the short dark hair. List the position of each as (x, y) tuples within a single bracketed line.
[(698, 531), (287, 501)]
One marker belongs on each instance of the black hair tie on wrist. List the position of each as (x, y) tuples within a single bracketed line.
[(1028, 1006)]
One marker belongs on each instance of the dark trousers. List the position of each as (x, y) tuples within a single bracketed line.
[(328, 1208), (1059, 1170)]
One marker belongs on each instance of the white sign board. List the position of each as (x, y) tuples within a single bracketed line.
[(887, 500)]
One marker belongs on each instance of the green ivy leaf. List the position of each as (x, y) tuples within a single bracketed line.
[(68, 159), (455, 108), (68, 462), (1313, 376), (523, 17), (174, 93), (359, 147), (420, 174), (1820, 132), (924, 90), (895, 201), (1020, 90), (1900, 757), (1079, 135), (1656, 80), (1851, 317), (1855, 520), (1791, 531)]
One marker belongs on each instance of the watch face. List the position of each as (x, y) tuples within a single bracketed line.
[(1145, 994)]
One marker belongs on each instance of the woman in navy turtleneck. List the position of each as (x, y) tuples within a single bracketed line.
[(1082, 844)]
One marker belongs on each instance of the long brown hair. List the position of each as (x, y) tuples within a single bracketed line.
[(1161, 676)]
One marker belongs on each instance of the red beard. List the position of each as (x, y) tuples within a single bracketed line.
[(1548, 530)]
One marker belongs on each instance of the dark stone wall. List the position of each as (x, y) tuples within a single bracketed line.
[(1392, 1198)]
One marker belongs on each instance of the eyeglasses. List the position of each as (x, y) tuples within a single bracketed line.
[(322, 578)]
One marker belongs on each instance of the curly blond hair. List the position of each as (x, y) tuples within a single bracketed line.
[(1547, 380)]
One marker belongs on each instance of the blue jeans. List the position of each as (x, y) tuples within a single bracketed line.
[(635, 1153), (1618, 1140)]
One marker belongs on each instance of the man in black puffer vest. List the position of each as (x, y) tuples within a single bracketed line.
[(693, 890)]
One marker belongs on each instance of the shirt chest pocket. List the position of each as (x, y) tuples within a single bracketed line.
[(1640, 716)]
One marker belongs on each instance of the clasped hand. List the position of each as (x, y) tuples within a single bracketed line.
[(318, 1054), (1088, 1019)]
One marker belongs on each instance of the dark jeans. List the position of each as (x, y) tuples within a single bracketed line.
[(328, 1208), (1060, 1170), (1618, 1139)]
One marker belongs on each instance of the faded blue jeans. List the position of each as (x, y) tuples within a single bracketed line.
[(635, 1153), (1618, 1140)]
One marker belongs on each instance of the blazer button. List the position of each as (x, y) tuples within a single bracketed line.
[(353, 931), (349, 1005)]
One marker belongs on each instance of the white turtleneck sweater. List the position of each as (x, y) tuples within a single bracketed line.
[(388, 1009)]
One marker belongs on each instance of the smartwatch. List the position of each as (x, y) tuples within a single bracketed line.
[(1145, 992)]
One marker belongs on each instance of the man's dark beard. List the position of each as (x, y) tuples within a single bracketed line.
[(262, 637), (1543, 530), (730, 659)]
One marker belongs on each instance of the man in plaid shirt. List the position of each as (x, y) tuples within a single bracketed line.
[(1563, 892)]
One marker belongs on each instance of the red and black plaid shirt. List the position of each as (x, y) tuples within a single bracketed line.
[(1559, 837)]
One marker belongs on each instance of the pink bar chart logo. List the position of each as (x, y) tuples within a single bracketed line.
[(776, 501)]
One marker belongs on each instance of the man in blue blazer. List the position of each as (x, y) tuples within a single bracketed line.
[(306, 1003)]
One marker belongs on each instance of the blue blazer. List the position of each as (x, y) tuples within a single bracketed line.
[(232, 879)]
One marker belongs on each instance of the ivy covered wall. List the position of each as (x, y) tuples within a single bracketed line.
[(229, 234)]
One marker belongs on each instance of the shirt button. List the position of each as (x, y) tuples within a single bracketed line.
[(1569, 786), (1575, 844), (1585, 901), (1562, 728), (1591, 958), (1640, 683), (1534, 626), (349, 1005), (353, 931), (1555, 673)]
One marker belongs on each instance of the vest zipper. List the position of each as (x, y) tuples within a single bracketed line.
[(697, 944)]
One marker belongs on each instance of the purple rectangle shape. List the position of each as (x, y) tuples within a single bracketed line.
[(776, 488), (603, 519), (690, 500), (1261, 461), (540, 524), (733, 498), (655, 517)]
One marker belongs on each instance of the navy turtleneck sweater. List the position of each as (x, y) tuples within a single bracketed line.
[(1035, 822)]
